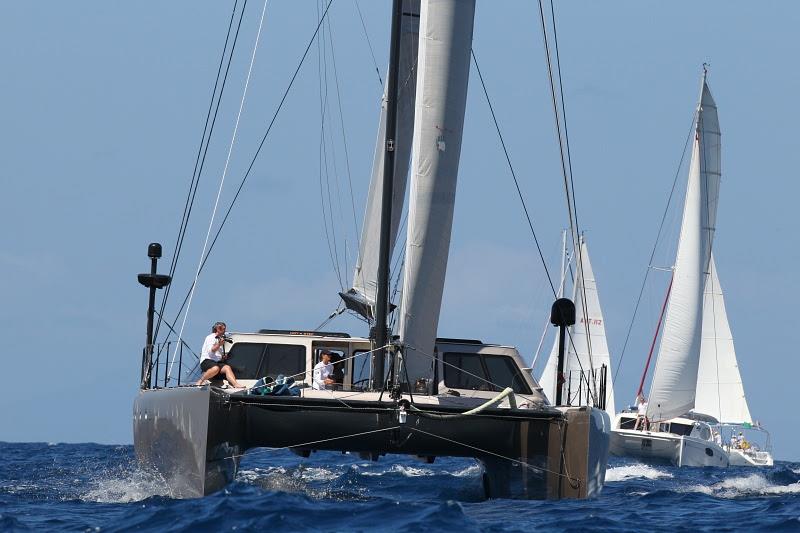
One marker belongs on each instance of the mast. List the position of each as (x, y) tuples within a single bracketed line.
[(379, 334)]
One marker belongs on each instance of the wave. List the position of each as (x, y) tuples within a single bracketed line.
[(407, 471), (745, 486), (623, 473)]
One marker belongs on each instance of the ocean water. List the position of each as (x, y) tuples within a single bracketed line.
[(91, 487)]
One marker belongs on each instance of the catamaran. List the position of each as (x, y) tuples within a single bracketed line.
[(413, 394), (667, 430)]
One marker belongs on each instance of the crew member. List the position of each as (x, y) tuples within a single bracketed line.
[(323, 371), (641, 414), (212, 357)]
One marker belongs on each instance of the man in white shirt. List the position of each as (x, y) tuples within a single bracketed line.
[(212, 356), (322, 372)]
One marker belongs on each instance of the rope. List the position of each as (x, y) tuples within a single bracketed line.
[(258, 151), (574, 482), (221, 183), (497, 399), (201, 152), (369, 43)]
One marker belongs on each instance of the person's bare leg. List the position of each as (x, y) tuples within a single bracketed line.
[(228, 371), (208, 374)]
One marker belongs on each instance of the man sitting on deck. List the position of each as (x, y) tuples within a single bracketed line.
[(212, 357)]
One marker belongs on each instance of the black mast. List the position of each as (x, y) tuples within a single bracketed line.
[(380, 333)]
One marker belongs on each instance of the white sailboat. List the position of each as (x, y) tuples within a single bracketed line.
[(670, 433), (587, 366), (720, 391)]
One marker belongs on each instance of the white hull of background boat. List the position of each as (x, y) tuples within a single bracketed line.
[(678, 450), (750, 458)]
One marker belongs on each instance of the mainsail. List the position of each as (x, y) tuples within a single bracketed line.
[(443, 73), (720, 392), (586, 354), (361, 297), (675, 378)]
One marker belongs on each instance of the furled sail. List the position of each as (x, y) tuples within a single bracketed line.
[(675, 378), (586, 354), (444, 56), (720, 392), (361, 297)]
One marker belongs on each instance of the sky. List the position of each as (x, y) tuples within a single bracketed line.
[(103, 111)]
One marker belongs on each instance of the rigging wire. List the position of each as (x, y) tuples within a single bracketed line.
[(258, 150), (201, 154), (369, 43), (655, 245), (221, 182), (519, 191)]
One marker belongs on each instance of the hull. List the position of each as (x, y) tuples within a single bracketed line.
[(195, 436), (755, 458), (667, 448)]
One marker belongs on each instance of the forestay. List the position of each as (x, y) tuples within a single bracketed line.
[(675, 378), (362, 296), (444, 56), (720, 392)]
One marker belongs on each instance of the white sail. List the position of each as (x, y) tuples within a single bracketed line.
[(590, 351), (587, 351), (362, 296), (720, 392), (444, 56), (672, 392)]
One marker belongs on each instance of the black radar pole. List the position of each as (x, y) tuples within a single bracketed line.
[(153, 282)]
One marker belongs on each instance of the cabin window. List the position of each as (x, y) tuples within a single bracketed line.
[(627, 422), (245, 358), (482, 372), (253, 360), (680, 429), (362, 367)]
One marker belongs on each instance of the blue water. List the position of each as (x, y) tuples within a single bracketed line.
[(90, 487)]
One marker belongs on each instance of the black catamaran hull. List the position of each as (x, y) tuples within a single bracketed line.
[(194, 437)]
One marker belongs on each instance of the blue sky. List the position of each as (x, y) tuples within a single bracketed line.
[(103, 110)]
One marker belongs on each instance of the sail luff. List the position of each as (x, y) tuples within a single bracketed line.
[(443, 73), (673, 388), (361, 297), (720, 391)]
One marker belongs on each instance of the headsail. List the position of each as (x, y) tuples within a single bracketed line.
[(585, 355), (444, 56), (720, 392), (675, 378), (361, 297)]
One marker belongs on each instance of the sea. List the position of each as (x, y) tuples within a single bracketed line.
[(92, 487)]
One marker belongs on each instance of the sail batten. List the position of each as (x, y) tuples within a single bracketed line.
[(674, 383), (443, 73)]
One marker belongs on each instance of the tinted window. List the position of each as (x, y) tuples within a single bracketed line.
[(286, 359), (680, 429), (362, 366), (504, 373), (245, 358), (465, 371), (627, 423)]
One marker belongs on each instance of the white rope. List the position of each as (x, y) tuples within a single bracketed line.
[(219, 190)]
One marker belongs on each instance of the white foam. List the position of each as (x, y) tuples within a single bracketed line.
[(470, 471), (408, 471), (743, 486), (622, 473), (796, 470), (131, 487)]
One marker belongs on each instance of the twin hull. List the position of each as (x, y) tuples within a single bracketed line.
[(195, 436), (669, 448)]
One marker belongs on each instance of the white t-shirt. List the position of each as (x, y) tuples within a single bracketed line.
[(321, 373), (206, 353), (643, 409)]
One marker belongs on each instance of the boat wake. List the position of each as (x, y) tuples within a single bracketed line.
[(753, 485), (623, 473)]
